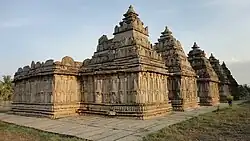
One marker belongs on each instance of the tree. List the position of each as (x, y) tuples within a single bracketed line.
[(244, 90), (6, 88)]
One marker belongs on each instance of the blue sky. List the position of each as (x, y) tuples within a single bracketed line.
[(42, 29)]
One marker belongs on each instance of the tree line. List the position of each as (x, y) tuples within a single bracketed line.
[(7, 89), (244, 90)]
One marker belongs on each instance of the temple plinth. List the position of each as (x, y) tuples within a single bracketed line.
[(182, 84), (233, 84), (224, 81), (208, 80)]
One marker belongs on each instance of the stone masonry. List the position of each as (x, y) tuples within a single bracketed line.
[(208, 81), (182, 84), (224, 81), (126, 77), (49, 89), (233, 87)]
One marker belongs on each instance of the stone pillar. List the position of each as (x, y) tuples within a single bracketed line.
[(121, 88), (98, 96), (126, 82), (145, 82)]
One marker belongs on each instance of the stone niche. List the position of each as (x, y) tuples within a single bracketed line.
[(49, 89), (208, 81), (182, 84), (224, 81)]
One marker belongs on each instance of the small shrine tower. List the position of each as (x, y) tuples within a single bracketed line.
[(208, 80)]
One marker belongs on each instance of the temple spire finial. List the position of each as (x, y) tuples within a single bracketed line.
[(166, 31), (130, 14), (211, 55), (130, 10), (195, 46), (131, 21)]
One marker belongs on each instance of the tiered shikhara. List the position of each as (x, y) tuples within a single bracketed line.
[(126, 77)]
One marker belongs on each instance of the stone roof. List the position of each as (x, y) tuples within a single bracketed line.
[(173, 54), (218, 69), (66, 66), (201, 64)]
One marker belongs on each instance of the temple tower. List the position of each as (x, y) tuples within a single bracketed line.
[(233, 84), (208, 80), (224, 81), (182, 84), (125, 76)]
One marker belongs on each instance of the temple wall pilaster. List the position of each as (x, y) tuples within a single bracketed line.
[(66, 89)]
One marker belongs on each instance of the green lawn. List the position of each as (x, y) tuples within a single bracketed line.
[(231, 124), (11, 132)]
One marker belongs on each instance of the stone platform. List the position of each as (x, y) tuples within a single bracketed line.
[(107, 129)]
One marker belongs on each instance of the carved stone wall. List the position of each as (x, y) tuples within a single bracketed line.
[(125, 72), (34, 90), (182, 85), (49, 89), (66, 95), (66, 89), (233, 84), (125, 88), (224, 81), (208, 81), (208, 92)]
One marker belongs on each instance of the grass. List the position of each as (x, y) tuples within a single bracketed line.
[(11, 132), (231, 124)]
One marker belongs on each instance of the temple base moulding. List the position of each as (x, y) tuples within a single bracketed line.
[(136, 111)]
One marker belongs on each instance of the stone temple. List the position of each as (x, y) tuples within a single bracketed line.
[(208, 81), (126, 77)]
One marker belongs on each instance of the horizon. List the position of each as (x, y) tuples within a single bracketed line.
[(42, 30)]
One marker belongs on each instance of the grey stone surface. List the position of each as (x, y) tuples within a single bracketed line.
[(106, 129)]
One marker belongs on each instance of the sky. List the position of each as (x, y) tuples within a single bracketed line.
[(50, 29)]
